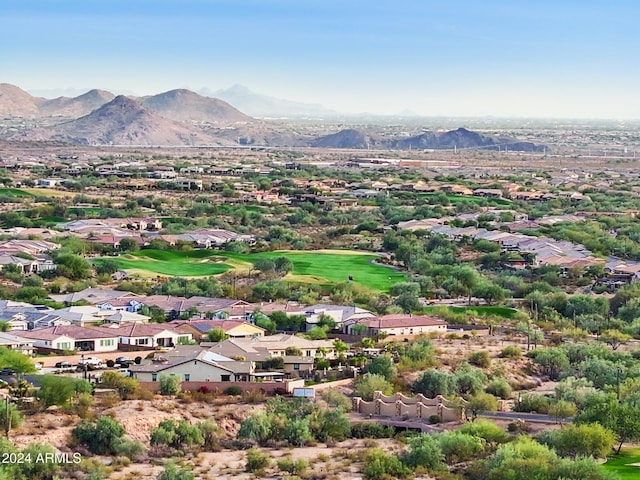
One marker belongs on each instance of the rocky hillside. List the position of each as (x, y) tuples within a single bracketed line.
[(123, 121), (187, 106), (77, 106)]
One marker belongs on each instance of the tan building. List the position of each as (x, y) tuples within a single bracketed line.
[(199, 328), (194, 365), (398, 324)]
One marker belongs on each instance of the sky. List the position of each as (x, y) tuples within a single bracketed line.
[(518, 58)]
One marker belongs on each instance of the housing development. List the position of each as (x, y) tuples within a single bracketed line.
[(185, 295)]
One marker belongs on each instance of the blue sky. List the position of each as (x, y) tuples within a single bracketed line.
[(548, 58)]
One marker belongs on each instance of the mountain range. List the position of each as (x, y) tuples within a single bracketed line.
[(183, 117)]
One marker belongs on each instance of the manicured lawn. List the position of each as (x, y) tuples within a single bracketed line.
[(195, 263), (481, 310), (333, 267), (619, 464), (14, 192), (321, 267)]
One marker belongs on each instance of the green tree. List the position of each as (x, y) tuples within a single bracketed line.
[(296, 431), (35, 470), (126, 387), (216, 334), (614, 338), (257, 427), (18, 361), (435, 382), (487, 430), (561, 410), (170, 385), (106, 267), (552, 362), (129, 245), (460, 447), (368, 383), (621, 418), (586, 440), (60, 390), (382, 365), (481, 402), (72, 266), (424, 451)]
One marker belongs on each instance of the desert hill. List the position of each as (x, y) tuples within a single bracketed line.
[(77, 106), (123, 121), (186, 106), (460, 138), (15, 102)]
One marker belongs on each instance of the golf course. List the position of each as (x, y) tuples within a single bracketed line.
[(322, 267)]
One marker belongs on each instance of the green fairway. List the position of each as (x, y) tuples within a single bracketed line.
[(480, 311), (321, 267), (194, 263), (620, 464), (14, 192), (334, 266)]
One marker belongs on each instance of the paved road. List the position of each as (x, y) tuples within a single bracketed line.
[(529, 417)]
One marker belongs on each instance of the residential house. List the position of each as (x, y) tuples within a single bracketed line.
[(338, 313), (17, 343), (194, 365), (274, 346), (72, 337), (233, 328), (147, 335), (398, 324), (93, 296)]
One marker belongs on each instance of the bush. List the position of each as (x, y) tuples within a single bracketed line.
[(379, 466), (10, 417), (500, 388), (170, 385), (294, 467), (425, 452), (480, 359), (173, 472), (126, 387), (111, 363), (256, 461), (129, 448), (371, 430), (100, 437), (233, 390), (176, 434), (512, 351), (532, 402), (433, 419), (460, 447)]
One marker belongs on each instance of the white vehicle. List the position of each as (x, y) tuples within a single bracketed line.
[(93, 361)]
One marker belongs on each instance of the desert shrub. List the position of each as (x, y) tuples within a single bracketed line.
[(126, 387), (233, 390), (511, 351), (100, 437), (173, 472), (532, 402), (379, 465), (425, 452), (170, 385), (83, 404), (176, 434), (293, 467), (59, 390), (10, 417), (256, 461), (111, 363), (371, 430), (500, 388), (480, 359), (129, 448), (433, 419), (336, 399), (460, 447)]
